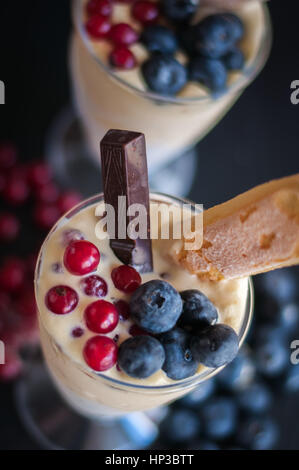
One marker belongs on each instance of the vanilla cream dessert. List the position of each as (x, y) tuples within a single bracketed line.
[(63, 337), (110, 98)]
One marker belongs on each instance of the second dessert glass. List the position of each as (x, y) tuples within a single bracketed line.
[(101, 412)]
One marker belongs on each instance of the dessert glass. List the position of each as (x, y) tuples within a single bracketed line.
[(112, 410), (173, 125)]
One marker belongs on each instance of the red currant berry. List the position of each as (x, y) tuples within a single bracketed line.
[(135, 330), (47, 193), (123, 34), (71, 235), (81, 257), (46, 215), (68, 200), (12, 274), (98, 26), (62, 300), (123, 309), (100, 353), (126, 279), (39, 174), (9, 227), (8, 156), (16, 190), (100, 7), (94, 286), (122, 58), (145, 11), (26, 304), (101, 317), (77, 332)]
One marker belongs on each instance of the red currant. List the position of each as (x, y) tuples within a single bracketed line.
[(123, 34), (46, 215), (100, 353), (12, 274), (16, 190), (121, 57), (47, 193), (123, 309), (94, 286), (39, 174), (145, 11), (8, 155), (71, 235), (126, 279), (101, 7), (98, 26), (135, 330), (9, 227), (81, 257), (62, 300), (101, 316), (68, 200)]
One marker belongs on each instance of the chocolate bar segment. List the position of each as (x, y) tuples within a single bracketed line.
[(124, 169)]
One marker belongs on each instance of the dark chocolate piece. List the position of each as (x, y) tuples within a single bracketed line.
[(124, 169)]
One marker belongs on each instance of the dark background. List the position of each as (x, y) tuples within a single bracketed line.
[(255, 142)]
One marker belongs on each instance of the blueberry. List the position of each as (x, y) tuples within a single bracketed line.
[(164, 74), (258, 433), (202, 445), (219, 418), (198, 310), (271, 358), (289, 316), (234, 60), (210, 72), (215, 345), (157, 38), (215, 35), (256, 398), (291, 380), (238, 373), (179, 362), (268, 334), (281, 284), (141, 356), (180, 425), (199, 395), (156, 306), (235, 24), (179, 10)]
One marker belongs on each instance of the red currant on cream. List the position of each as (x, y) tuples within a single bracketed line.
[(98, 26), (122, 58), (145, 11), (100, 353), (123, 309), (123, 34), (62, 300), (94, 286), (101, 316), (81, 257), (126, 279)]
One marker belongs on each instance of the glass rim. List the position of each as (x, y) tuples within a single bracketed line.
[(177, 385), (248, 73)]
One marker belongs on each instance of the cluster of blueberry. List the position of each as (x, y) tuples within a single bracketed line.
[(235, 410), (29, 198), (210, 45), (181, 333)]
